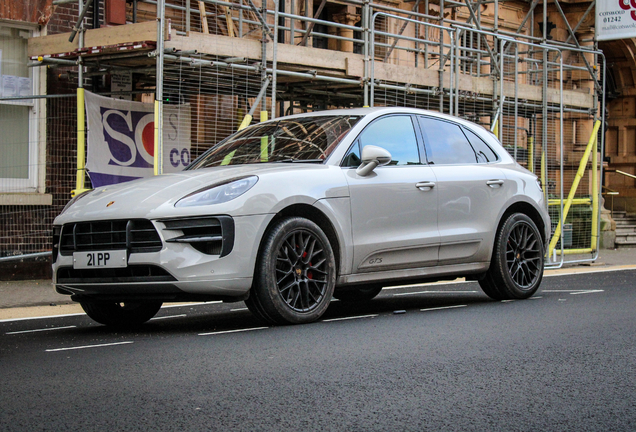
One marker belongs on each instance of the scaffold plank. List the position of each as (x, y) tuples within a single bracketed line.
[(105, 36)]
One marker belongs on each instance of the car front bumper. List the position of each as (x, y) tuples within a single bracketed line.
[(178, 271)]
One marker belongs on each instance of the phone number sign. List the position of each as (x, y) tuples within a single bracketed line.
[(615, 19)]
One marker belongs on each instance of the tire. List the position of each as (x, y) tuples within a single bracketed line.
[(516, 268), (295, 273), (120, 315), (365, 293)]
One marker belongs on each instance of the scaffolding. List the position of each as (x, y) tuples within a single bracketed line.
[(222, 61)]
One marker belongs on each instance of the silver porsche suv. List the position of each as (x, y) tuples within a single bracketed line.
[(289, 213)]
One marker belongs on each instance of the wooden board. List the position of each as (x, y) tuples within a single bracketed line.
[(105, 36)]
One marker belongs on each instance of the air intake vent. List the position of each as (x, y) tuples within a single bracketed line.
[(135, 235), (132, 273), (208, 235)]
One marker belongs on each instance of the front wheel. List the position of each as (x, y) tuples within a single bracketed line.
[(516, 268), (295, 273), (121, 314)]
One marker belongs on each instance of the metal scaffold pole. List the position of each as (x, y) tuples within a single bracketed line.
[(158, 145)]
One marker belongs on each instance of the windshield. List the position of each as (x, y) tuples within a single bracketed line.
[(306, 139)]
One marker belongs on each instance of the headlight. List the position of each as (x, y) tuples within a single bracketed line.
[(218, 194), (75, 199)]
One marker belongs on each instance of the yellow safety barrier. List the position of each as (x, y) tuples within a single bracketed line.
[(577, 179), (80, 175), (246, 122), (531, 154), (264, 140), (157, 161)]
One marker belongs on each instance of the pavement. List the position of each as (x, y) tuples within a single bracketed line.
[(28, 298)]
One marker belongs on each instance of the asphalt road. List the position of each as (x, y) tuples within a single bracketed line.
[(434, 357)]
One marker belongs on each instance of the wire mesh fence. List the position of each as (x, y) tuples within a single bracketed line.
[(407, 57), (51, 155)]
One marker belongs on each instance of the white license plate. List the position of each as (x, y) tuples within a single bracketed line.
[(100, 259)]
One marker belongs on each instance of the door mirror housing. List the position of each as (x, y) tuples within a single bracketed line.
[(372, 157)]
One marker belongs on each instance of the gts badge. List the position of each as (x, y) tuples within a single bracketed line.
[(375, 261)]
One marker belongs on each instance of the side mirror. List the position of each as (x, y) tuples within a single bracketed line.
[(372, 157)]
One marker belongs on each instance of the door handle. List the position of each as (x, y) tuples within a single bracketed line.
[(425, 186), (494, 183)]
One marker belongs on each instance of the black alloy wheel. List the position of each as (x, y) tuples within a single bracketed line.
[(296, 274), (516, 268), (301, 270), (524, 253)]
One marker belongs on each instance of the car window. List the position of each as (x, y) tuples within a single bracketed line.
[(445, 142), (484, 153), (309, 139), (352, 159), (393, 133)]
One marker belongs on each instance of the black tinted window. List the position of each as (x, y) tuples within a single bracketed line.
[(445, 143), (484, 153), (395, 134)]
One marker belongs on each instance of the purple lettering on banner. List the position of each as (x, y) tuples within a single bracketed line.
[(185, 157), (124, 134), (174, 152)]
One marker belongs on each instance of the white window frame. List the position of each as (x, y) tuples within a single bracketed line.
[(29, 191)]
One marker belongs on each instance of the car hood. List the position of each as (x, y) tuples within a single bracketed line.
[(156, 196)]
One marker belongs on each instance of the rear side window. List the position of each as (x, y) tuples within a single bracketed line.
[(483, 152), (392, 133), (445, 143)]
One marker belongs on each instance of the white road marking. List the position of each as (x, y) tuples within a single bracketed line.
[(433, 292), (442, 307), (239, 309), (166, 317), (587, 292), (231, 331), (573, 292), (88, 346), (535, 298), (507, 301), (40, 330), (350, 318), (42, 317)]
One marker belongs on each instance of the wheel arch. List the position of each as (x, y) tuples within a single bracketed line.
[(316, 216), (530, 211)]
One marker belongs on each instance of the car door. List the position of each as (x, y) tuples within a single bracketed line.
[(394, 208), (471, 190)]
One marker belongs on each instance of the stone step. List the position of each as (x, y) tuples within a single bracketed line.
[(623, 215), (626, 238), (624, 244), (625, 221), (625, 231)]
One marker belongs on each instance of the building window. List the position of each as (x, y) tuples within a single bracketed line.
[(18, 113)]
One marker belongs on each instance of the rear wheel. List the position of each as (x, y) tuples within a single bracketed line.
[(120, 314), (516, 269), (364, 293), (295, 273)]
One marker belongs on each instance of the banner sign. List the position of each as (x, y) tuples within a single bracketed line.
[(615, 19), (121, 136)]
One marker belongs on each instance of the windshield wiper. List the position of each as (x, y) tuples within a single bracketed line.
[(294, 160)]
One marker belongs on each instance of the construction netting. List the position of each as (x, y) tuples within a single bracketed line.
[(540, 100)]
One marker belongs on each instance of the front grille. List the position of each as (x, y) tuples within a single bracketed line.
[(132, 273), (134, 235), (208, 235)]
